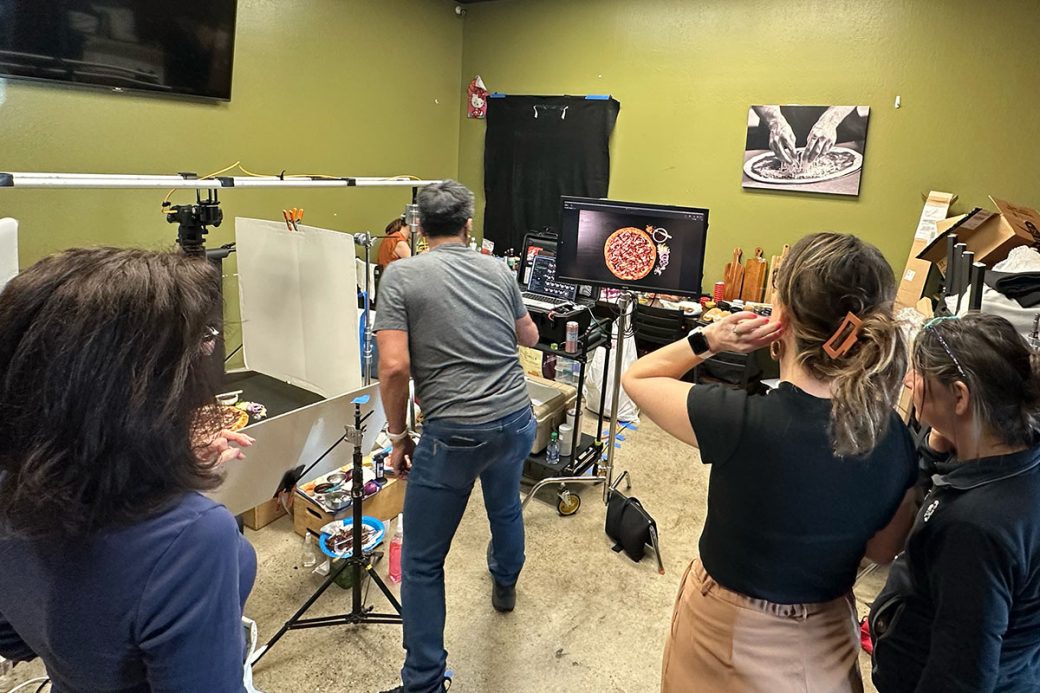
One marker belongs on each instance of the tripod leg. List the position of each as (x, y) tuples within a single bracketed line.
[(382, 587), (287, 626)]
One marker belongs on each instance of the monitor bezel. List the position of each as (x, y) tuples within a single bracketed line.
[(621, 284), (73, 85)]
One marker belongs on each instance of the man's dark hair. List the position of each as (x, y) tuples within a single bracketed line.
[(104, 383), (444, 208)]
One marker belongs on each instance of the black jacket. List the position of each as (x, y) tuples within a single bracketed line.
[(961, 609)]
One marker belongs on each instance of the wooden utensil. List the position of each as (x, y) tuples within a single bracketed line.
[(733, 276), (755, 278), (773, 267)]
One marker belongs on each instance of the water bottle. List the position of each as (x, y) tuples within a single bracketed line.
[(308, 557), (564, 371), (395, 551), (552, 453)]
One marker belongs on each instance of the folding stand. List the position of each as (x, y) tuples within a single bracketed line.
[(357, 562)]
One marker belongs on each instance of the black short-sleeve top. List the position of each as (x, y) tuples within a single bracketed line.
[(788, 520)]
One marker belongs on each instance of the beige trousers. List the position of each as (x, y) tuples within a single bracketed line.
[(724, 641)]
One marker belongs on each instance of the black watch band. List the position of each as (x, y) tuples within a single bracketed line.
[(698, 342)]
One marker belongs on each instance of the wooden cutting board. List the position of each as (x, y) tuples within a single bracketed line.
[(733, 276), (773, 267), (755, 278)]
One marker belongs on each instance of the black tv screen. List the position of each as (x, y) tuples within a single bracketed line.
[(182, 47), (645, 247)]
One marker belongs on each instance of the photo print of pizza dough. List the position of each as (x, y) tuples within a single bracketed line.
[(806, 148)]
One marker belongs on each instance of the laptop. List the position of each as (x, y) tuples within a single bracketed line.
[(543, 291)]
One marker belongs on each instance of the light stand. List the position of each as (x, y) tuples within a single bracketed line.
[(624, 305), (357, 562), (365, 240)]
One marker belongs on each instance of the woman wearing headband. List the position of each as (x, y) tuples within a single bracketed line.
[(114, 569), (961, 609), (804, 482)]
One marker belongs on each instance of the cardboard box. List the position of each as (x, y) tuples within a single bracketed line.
[(991, 236), (263, 514), (918, 277)]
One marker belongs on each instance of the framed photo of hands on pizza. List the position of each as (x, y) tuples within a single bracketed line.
[(806, 148)]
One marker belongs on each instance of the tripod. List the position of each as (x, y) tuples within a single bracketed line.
[(358, 561)]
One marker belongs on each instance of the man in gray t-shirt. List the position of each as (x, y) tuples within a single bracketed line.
[(452, 318)]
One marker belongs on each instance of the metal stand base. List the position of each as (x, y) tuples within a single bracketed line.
[(358, 615)]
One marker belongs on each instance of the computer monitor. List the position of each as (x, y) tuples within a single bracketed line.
[(645, 247)]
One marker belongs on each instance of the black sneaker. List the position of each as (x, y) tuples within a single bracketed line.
[(503, 598)]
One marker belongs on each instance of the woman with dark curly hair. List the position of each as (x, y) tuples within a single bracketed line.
[(116, 572)]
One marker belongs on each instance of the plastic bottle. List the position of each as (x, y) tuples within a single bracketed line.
[(564, 370), (309, 556), (395, 551), (552, 452)]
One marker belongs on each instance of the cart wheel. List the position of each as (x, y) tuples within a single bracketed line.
[(567, 503)]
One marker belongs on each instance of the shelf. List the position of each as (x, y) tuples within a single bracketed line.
[(536, 468)]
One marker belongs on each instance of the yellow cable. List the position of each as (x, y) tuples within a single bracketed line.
[(166, 200)]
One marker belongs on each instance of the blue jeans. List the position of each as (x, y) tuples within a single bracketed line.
[(449, 458)]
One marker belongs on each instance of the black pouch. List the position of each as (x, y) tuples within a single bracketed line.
[(630, 525)]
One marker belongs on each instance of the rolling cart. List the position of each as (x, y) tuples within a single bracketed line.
[(586, 450)]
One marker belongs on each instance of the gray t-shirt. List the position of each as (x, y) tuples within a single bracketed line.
[(459, 309)]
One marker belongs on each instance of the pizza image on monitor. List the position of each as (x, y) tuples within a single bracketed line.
[(630, 253), (838, 162)]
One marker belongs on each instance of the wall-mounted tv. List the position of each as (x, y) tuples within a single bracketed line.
[(181, 47)]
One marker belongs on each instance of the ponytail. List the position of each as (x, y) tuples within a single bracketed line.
[(825, 277), (864, 384)]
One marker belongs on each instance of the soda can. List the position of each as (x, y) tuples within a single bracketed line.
[(571, 344)]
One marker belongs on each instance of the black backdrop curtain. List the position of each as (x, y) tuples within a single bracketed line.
[(538, 148)]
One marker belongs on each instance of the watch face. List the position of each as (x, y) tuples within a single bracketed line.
[(698, 342)]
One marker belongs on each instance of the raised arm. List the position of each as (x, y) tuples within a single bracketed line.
[(654, 381)]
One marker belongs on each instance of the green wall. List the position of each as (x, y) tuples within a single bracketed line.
[(343, 87), (686, 71)]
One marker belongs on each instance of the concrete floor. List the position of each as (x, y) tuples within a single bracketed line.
[(587, 619)]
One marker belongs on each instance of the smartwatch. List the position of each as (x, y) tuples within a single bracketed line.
[(699, 343)]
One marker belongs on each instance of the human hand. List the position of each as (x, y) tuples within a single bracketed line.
[(220, 447), (821, 140), (401, 457), (782, 139), (742, 333)]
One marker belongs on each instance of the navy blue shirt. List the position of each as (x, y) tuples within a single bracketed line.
[(155, 606), (961, 608), (788, 521)]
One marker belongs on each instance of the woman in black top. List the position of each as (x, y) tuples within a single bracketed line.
[(961, 609), (805, 480)]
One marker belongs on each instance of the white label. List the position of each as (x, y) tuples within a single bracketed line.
[(935, 209), (909, 276)]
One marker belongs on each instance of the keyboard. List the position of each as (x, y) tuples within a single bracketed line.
[(532, 300)]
